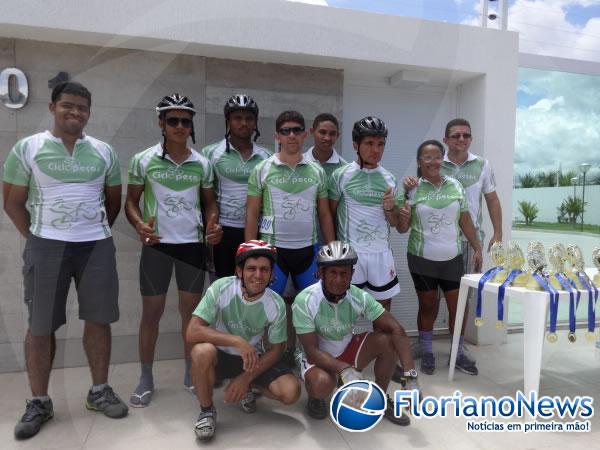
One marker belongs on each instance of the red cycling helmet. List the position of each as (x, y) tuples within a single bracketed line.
[(255, 248)]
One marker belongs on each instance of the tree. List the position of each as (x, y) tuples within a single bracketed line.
[(527, 180), (573, 207), (564, 179), (529, 210)]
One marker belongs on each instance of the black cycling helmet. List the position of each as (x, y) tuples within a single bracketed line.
[(174, 102), (368, 126), (239, 102)]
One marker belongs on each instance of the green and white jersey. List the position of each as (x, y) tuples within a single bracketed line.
[(231, 180), (66, 191), (289, 201), (172, 192), (477, 177), (333, 322), (435, 212), (360, 216), (333, 163), (224, 308)]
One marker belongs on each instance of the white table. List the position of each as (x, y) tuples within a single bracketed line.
[(535, 308)]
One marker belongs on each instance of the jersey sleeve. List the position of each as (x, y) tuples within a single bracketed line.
[(207, 308), (333, 187), (16, 169), (135, 172), (463, 201), (278, 328), (301, 318), (373, 308), (208, 179), (488, 180), (322, 187), (255, 187), (113, 171)]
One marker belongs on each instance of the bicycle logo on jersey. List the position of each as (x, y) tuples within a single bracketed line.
[(71, 213), (236, 209), (293, 207), (176, 205), (436, 222), (369, 232)]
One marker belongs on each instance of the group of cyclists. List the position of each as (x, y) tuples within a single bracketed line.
[(298, 241)]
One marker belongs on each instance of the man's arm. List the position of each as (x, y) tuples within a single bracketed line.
[(389, 325), (468, 229), (112, 202), (404, 222), (214, 231), (325, 220), (495, 209), (253, 207), (15, 199), (134, 215), (318, 357)]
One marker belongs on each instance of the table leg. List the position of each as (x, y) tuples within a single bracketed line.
[(535, 306), (458, 321)]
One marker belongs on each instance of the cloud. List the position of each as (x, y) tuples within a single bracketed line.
[(311, 2)]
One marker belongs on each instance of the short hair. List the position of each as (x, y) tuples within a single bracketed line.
[(326, 117), (289, 116), (458, 122), (424, 144), (73, 88)]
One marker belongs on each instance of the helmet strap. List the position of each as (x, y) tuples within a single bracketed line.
[(226, 135), (164, 146), (332, 297)]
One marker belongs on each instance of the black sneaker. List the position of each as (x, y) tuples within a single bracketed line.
[(427, 363), (317, 408), (398, 376), (107, 402), (466, 365), (36, 414), (249, 403), (403, 420)]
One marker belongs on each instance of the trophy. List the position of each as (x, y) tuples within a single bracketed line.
[(498, 257), (577, 272), (536, 260), (596, 262), (515, 262), (557, 255)]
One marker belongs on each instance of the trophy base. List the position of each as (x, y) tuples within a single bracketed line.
[(555, 283), (522, 280), (597, 279), (533, 285), (575, 279), (500, 277)]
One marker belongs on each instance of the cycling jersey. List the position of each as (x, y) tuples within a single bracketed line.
[(333, 322), (334, 162), (66, 191), (224, 307), (289, 200), (231, 180), (435, 212), (477, 177), (360, 216), (172, 192)]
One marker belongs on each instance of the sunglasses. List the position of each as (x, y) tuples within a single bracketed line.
[(175, 121), (428, 159), (286, 131), (460, 135)]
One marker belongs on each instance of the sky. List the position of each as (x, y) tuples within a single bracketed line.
[(557, 113)]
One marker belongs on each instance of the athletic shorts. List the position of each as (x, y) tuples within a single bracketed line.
[(376, 274), (300, 263), (156, 268), (349, 355), (224, 252), (428, 275), (48, 267), (230, 366)]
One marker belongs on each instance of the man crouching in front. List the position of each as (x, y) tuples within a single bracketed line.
[(226, 333)]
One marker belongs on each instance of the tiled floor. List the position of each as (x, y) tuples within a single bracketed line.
[(568, 369)]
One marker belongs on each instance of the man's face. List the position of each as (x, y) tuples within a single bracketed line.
[(459, 139), (242, 124), (291, 136), (177, 125), (336, 279), (71, 114), (371, 150), (325, 135), (255, 275)]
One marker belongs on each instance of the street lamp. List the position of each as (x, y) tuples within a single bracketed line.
[(574, 181), (583, 168)]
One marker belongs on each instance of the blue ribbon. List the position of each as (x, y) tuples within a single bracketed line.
[(553, 300), (592, 298), (569, 288), (511, 276), (484, 279)]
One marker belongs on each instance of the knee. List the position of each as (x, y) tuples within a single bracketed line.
[(320, 382), (290, 392), (203, 355)]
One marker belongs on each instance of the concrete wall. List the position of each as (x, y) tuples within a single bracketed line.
[(548, 199), (126, 85)]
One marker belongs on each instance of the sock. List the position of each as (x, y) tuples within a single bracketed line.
[(187, 379), (41, 398), (146, 380), (425, 338), (98, 387), (461, 346), (207, 408)]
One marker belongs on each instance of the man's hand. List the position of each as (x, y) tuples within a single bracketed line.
[(405, 212), (349, 374), (236, 389), (409, 183), (495, 238), (214, 231), (477, 260), (389, 201), (248, 354), (146, 232)]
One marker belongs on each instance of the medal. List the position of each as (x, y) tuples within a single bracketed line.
[(551, 336), (511, 276), (484, 279), (572, 307)]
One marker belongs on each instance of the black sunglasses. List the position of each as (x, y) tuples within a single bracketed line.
[(175, 121), (286, 131), (459, 135)]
